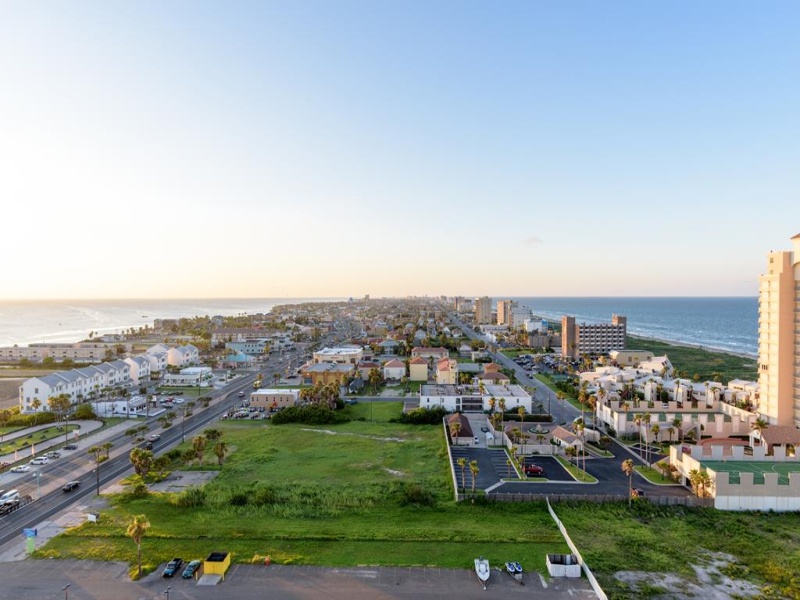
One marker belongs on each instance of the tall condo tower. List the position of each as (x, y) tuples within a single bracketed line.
[(779, 337)]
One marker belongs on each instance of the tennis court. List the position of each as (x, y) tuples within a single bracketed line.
[(736, 467)]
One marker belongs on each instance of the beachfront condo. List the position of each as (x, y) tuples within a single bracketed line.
[(779, 337)]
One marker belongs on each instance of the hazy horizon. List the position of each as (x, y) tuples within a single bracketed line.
[(335, 149)]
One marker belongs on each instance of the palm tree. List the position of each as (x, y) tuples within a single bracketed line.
[(701, 482), (455, 428), (492, 403), (758, 426), (508, 467), (627, 468), (473, 470), (106, 447), (676, 423), (462, 462), (502, 404), (5, 416), (136, 530), (521, 413), (36, 404), (670, 430), (199, 447), (220, 448)]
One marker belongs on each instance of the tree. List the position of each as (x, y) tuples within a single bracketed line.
[(656, 429), (676, 423), (5, 415), (473, 470), (455, 428), (627, 468), (502, 404), (374, 379), (462, 462), (199, 447), (521, 413), (99, 457), (142, 461), (758, 426), (36, 404), (701, 482), (212, 435), (107, 447), (136, 530), (220, 448)]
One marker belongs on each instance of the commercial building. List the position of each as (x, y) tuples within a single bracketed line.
[(473, 398), (779, 337), (592, 338), (271, 399), (483, 310), (189, 377), (345, 355)]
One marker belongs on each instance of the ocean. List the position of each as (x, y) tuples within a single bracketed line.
[(729, 324), (722, 323), (26, 322)]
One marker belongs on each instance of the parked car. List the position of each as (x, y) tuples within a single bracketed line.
[(53, 454), (533, 470), (71, 485), (190, 569), (172, 567), (71, 447), (9, 497), (40, 460), (21, 469)]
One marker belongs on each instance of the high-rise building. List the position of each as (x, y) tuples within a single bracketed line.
[(504, 311), (483, 310), (592, 338), (779, 337)]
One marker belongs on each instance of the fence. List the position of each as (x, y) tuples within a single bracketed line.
[(589, 575), (692, 501)]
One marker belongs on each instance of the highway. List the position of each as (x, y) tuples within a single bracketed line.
[(63, 469)]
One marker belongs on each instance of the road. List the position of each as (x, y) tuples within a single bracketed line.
[(64, 469)]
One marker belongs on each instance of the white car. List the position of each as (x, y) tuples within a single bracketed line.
[(40, 460), (21, 469)]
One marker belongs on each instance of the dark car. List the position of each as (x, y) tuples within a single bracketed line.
[(148, 446), (71, 486), (190, 569), (534, 470), (71, 447), (172, 567)]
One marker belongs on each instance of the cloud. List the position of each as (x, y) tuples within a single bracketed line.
[(532, 241)]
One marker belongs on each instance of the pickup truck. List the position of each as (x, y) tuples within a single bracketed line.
[(172, 567)]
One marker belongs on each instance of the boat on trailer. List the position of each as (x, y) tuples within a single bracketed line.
[(482, 570)]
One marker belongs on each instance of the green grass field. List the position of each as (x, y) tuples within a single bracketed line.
[(735, 468), (329, 495), (35, 437)]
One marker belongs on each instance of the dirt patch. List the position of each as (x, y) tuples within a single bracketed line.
[(178, 481), (393, 472), (712, 583), (9, 392), (367, 437)]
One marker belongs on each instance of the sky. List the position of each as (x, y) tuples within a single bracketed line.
[(339, 148)]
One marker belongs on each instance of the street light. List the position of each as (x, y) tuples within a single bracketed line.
[(65, 589)]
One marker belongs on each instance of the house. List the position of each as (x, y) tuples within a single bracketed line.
[(388, 347), (365, 367), (459, 428), (394, 370), (564, 438), (239, 359), (777, 435), (492, 368), (447, 371), (121, 407), (465, 350), (418, 369), (434, 353), (492, 378)]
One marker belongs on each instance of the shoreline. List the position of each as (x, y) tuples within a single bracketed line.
[(710, 349)]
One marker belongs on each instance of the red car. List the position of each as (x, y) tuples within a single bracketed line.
[(533, 470)]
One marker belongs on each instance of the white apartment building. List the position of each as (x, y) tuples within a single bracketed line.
[(779, 337), (78, 384), (140, 369), (81, 352), (470, 398), (183, 356)]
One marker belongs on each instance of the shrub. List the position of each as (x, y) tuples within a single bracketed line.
[(20, 420), (308, 415), (84, 412), (190, 498), (173, 454), (415, 495), (423, 416)]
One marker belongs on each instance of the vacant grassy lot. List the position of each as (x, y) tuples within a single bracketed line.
[(359, 493), (704, 364), (614, 538), (35, 437)]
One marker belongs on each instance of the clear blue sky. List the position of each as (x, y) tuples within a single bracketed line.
[(185, 148)]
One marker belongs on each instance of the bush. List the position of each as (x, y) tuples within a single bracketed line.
[(422, 416), (30, 420), (415, 495), (190, 498), (84, 412), (308, 415), (173, 455)]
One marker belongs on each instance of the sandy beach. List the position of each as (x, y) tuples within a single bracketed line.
[(695, 346)]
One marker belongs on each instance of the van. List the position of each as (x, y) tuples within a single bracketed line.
[(9, 497)]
